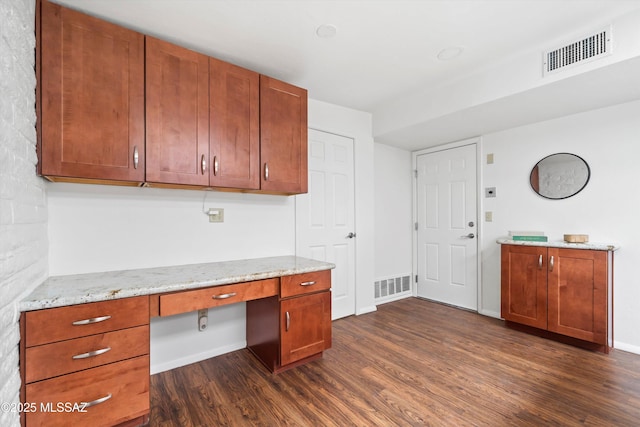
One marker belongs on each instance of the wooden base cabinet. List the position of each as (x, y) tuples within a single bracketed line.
[(86, 364), (295, 327), (567, 292)]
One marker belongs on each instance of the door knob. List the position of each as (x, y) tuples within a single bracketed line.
[(351, 235), (468, 236)]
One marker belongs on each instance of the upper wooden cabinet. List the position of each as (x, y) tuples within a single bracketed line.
[(177, 117), (91, 98), (283, 137), (116, 111), (234, 100)]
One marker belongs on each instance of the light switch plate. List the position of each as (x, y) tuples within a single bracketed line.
[(488, 216)]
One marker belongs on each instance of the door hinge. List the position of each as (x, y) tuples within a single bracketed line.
[(415, 173), (416, 278), (416, 226)]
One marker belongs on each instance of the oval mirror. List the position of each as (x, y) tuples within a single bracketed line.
[(559, 176)]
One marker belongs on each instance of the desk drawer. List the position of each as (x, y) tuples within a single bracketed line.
[(74, 321), (52, 360), (305, 283), (182, 302), (127, 384)]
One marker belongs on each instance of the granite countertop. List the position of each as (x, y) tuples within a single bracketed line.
[(561, 244), (58, 291)]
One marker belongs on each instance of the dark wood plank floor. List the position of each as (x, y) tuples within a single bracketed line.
[(411, 363)]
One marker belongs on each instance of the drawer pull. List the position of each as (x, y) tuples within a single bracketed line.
[(225, 296), (90, 321), (308, 283), (97, 401), (91, 353)]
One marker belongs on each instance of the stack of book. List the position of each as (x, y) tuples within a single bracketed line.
[(529, 236)]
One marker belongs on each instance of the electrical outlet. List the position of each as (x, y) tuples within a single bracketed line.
[(203, 319), (488, 216), (216, 215)]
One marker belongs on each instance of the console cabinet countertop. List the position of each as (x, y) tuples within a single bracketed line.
[(60, 291), (561, 244)]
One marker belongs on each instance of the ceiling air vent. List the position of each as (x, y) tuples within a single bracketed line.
[(588, 49)]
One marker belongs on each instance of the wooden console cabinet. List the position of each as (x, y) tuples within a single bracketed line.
[(566, 292)]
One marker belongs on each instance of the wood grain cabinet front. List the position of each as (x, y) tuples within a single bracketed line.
[(87, 364), (564, 291), (294, 328), (177, 114), (90, 98), (283, 137)]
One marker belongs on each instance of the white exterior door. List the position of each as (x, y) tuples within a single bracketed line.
[(447, 226), (325, 216)]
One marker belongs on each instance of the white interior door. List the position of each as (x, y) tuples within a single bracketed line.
[(447, 226), (325, 216)]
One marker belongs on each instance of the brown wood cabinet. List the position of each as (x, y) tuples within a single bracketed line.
[(90, 99), (283, 137), (117, 107), (234, 109), (87, 364), (564, 291), (295, 327), (177, 114)]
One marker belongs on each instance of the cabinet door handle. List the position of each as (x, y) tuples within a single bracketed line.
[(288, 317), (91, 353), (136, 157), (97, 401), (90, 321), (203, 164), (540, 262), (551, 263), (308, 283), (225, 296), (266, 171), (215, 165)]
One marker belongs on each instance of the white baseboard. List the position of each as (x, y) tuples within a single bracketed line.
[(490, 313), (365, 310), (626, 347), (193, 358)]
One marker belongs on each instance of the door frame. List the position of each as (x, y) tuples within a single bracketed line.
[(355, 218), (477, 142)]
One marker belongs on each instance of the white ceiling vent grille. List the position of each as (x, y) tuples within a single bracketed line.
[(588, 49)]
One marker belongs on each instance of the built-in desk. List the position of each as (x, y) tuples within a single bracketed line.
[(84, 352)]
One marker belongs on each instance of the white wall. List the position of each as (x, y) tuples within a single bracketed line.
[(103, 228), (393, 214), (607, 209), (23, 208)]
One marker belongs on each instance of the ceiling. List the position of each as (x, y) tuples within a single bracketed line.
[(383, 50)]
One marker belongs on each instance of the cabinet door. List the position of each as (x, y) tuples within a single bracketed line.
[(283, 137), (577, 304), (234, 122), (177, 83), (305, 326), (524, 285), (92, 88)]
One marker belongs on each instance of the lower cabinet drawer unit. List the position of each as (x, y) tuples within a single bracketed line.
[(87, 364), (104, 396)]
